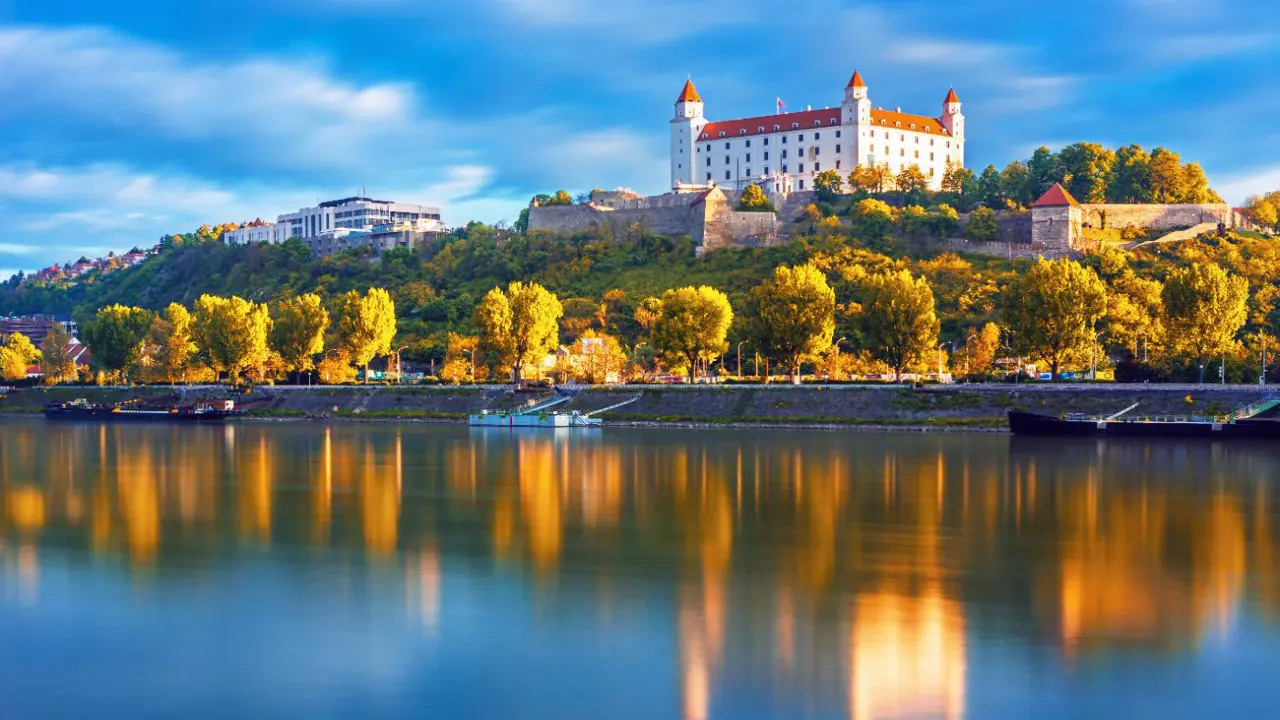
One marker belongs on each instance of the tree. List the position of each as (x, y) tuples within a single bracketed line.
[(898, 322), (1195, 186), (944, 221), (520, 326), (335, 368), (911, 179), (232, 333), (1262, 211), (792, 315), (1133, 311), (1043, 170), (982, 225), (1131, 176), (16, 354), (56, 363), (872, 219), (1088, 169), (753, 199), (980, 349), (871, 178), (366, 325), (989, 187), (174, 330), (1204, 308), (1017, 184), (828, 185), (691, 325), (596, 357), (1168, 181), (1052, 310), (297, 332), (115, 336)]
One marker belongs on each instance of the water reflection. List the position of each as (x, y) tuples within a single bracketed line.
[(838, 574)]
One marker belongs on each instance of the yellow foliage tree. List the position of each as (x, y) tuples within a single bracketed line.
[(297, 332), (519, 326), (792, 315), (232, 333), (366, 326), (691, 324)]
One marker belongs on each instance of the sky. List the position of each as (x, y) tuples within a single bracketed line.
[(123, 121)]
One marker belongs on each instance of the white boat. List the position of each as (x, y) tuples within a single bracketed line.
[(537, 416)]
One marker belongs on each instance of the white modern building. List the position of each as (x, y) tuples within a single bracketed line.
[(797, 146), (359, 213), (255, 232)]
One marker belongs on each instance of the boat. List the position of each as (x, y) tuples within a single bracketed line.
[(1252, 422), (540, 415), (81, 410)]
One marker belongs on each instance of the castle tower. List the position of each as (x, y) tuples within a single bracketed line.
[(686, 126), (953, 120), (856, 111)]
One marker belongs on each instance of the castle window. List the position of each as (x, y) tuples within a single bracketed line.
[(917, 154), (766, 142), (801, 168), (784, 154), (817, 151), (743, 131), (726, 146), (817, 136), (776, 128), (917, 139), (817, 167), (837, 164), (721, 133), (837, 147), (886, 149), (766, 156), (817, 123), (784, 139), (931, 173), (930, 157), (795, 126), (708, 177), (837, 134), (897, 124), (748, 159), (766, 169), (801, 138), (913, 126), (901, 153), (930, 142), (802, 182), (748, 172), (784, 169), (708, 161), (748, 143), (726, 159), (760, 129), (902, 137)]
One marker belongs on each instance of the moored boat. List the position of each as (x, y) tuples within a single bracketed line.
[(1253, 422), (83, 410)]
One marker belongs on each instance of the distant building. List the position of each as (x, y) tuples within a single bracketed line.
[(380, 238), (34, 327), (799, 145), (258, 231), (359, 213)]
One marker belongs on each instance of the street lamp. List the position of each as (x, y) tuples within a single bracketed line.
[(399, 367), (836, 358), (472, 356), (740, 360), (1093, 361)]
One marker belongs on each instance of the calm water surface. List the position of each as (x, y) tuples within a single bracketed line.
[(383, 571)]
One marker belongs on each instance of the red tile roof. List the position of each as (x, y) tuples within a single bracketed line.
[(817, 119), (689, 93), (1056, 196), (951, 96), (855, 81)]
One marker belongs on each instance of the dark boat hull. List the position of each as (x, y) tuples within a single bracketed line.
[(1037, 425), (106, 414)]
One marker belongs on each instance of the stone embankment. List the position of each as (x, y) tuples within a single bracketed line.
[(954, 406)]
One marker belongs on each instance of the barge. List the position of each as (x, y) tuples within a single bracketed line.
[(540, 415), (1253, 422), (82, 410)]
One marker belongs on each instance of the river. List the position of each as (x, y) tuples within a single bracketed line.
[(375, 570)]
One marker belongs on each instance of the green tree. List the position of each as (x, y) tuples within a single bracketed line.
[(944, 221), (1017, 184), (828, 185), (1088, 169), (982, 225), (898, 322), (519, 326), (990, 189), (366, 325), (56, 363), (1052, 310), (690, 325), (753, 199), (232, 332), (115, 337), (1043, 170), (1131, 182), (297, 332), (1204, 309), (1134, 310), (792, 315), (872, 219)]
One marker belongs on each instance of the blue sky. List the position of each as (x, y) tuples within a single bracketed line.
[(122, 121)]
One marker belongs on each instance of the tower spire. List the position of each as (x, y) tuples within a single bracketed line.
[(689, 93)]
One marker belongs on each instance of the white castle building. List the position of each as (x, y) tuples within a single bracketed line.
[(789, 149)]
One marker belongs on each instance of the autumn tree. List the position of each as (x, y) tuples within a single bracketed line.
[(753, 199), (16, 354), (1204, 308), (980, 349), (1052, 310), (871, 178), (297, 332), (520, 325), (911, 179), (872, 219), (1168, 181), (115, 336), (828, 184), (1134, 311), (366, 326), (982, 225), (56, 363), (898, 322), (690, 325), (173, 334), (232, 333), (1131, 176), (792, 315), (596, 357), (1087, 168)]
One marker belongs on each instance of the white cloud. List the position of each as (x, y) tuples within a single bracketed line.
[(461, 181), (1234, 189), (16, 249)]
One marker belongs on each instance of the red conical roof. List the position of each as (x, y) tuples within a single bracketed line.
[(1057, 196), (855, 81), (951, 96), (689, 93)]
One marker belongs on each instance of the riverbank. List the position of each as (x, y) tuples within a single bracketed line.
[(948, 407)]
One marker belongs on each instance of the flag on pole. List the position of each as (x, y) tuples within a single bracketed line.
[(781, 106)]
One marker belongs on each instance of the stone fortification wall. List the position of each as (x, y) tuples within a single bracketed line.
[(1156, 216), (1055, 227), (1015, 249), (671, 215), (731, 228)]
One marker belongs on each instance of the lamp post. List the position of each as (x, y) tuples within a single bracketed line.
[(836, 358), (740, 360), (1093, 360), (1262, 379), (968, 354), (940, 346), (399, 367), (634, 349), (471, 355)]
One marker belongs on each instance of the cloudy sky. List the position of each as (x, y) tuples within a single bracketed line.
[(122, 121)]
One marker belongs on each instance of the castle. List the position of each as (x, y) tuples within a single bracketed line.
[(784, 152)]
